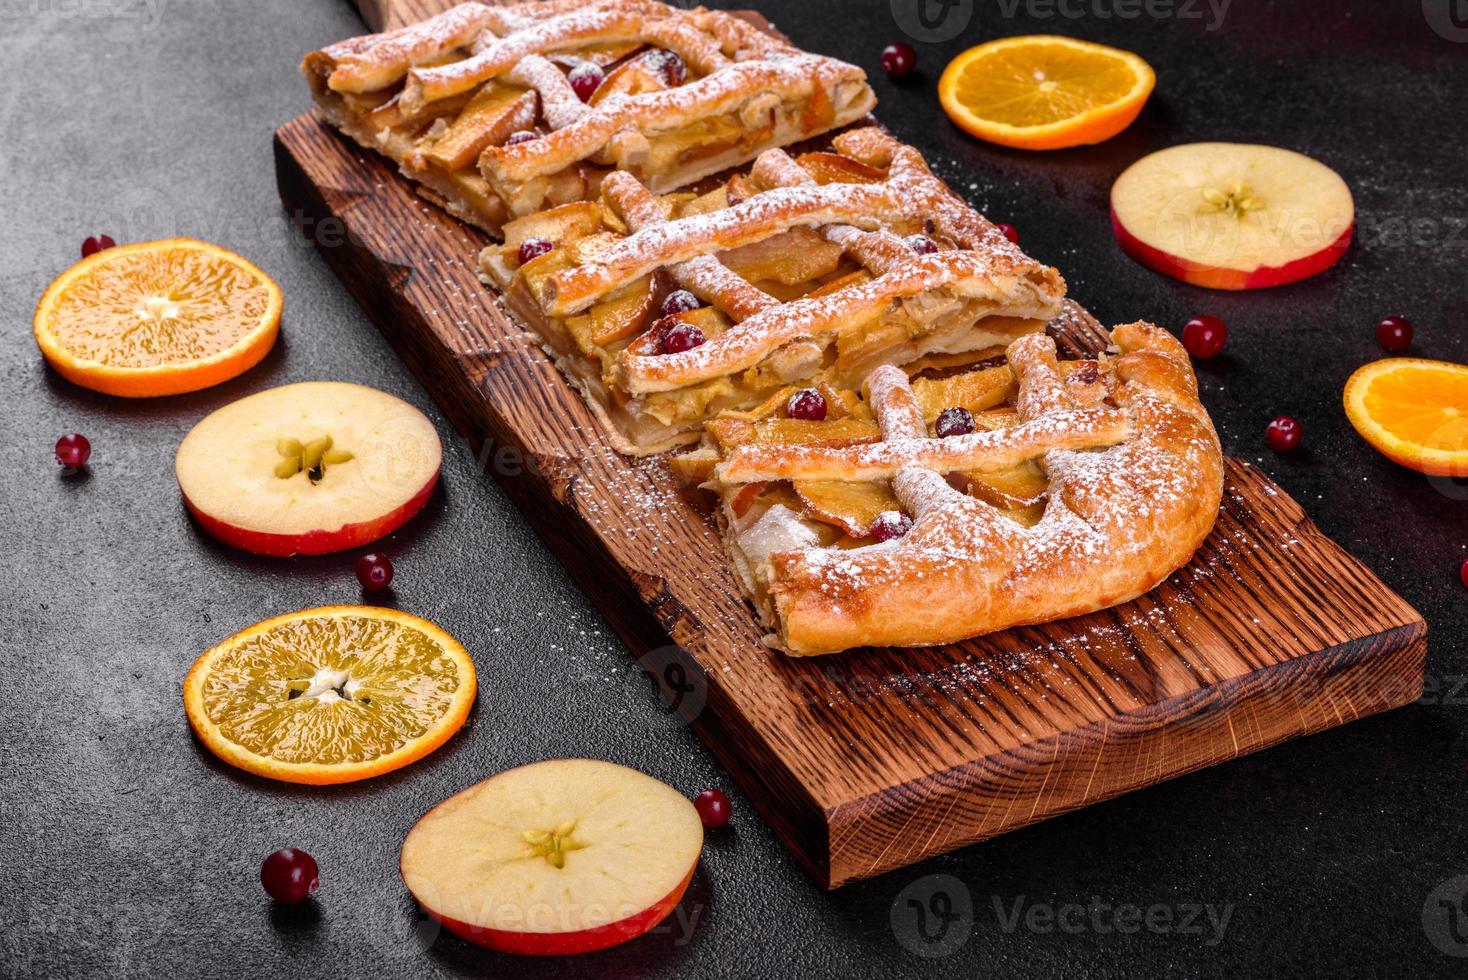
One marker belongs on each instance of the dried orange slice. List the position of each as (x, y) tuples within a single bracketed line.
[(158, 318), (1414, 412), (330, 695), (1044, 92)]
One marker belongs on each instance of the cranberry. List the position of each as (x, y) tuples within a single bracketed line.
[(890, 524), (73, 451), (1204, 336), (668, 65), (585, 79), (1394, 333), (1009, 231), (679, 301), (93, 245), (680, 337), (520, 136), (290, 876), (954, 422), (808, 405), (713, 808), (898, 59), (533, 248), (921, 244), (1283, 434), (374, 571)]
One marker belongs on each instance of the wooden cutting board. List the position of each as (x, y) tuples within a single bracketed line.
[(870, 760)]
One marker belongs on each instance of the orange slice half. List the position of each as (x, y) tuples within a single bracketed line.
[(1045, 92), (330, 695), (158, 318), (1414, 412)]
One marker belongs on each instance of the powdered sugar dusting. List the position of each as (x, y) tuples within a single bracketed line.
[(1117, 517)]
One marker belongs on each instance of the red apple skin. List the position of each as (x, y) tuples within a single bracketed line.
[(346, 537), (1215, 278), (568, 943)]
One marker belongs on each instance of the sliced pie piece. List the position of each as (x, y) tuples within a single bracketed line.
[(668, 311), (502, 111), (1088, 485)]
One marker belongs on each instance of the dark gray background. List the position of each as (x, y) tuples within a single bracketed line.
[(128, 851)]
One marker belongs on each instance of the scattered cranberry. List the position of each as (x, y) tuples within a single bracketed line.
[(890, 524), (1283, 434), (585, 79), (681, 337), (954, 422), (73, 451), (533, 248), (96, 244), (290, 876), (679, 301), (667, 64), (1204, 336), (921, 244), (1394, 333), (520, 136), (808, 405), (713, 808), (374, 571), (1009, 231), (898, 59)]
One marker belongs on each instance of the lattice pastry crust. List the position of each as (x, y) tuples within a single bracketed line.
[(817, 269), (687, 93), (1098, 481)]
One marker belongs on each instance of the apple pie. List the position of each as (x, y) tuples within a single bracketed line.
[(503, 111), (667, 310), (929, 508)]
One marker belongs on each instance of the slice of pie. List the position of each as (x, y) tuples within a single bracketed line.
[(668, 310), (483, 105), (927, 509)]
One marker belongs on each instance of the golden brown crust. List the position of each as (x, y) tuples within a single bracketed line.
[(399, 91), (1118, 520)]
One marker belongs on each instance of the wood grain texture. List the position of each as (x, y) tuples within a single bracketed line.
[(871, 760), (384, 15)]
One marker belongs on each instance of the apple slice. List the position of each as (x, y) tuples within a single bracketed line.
[(556, 857), (308, 468), (1232, 215)]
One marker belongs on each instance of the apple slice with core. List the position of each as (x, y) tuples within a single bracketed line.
[(1232, 215), (308, 468), (557, 857)]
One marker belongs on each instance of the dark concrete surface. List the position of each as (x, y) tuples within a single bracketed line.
[(126, 850)]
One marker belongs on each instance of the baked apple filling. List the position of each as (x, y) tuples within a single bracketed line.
[(668, 310), (765, 517), (505, 111), (1011, 492)]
